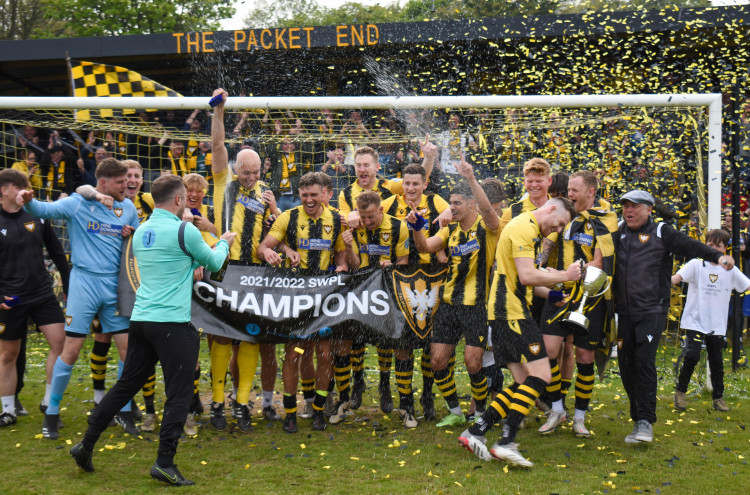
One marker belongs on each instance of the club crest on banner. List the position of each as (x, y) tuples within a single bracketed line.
[(418, 297)]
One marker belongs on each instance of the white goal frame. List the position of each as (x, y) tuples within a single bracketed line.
[(713, 101)]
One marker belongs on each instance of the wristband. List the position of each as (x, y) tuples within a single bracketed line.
[(555, 296), (215, 100), (196, 212), (419, 224)]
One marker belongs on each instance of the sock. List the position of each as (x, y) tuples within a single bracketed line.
[(565, 384), (148, 393), (553, 389), (47, 392), (9, 404), (447, 387), (584, 386), (479, 389), (220, 356), (99, 359), (308, 388), (427, 377), (498, 410), (342, 370), (578, 414), (247, 362), (319, 402), (267, 398), (60, 378), (331, 385), (120, 366), (523, 399), (290, 404), (404, 372), (385, 359), (357, 358)]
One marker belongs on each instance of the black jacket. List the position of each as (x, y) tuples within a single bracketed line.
[(643, 266)]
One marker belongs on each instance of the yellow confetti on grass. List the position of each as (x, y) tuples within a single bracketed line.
[(354, 458), (203, 463), (302, 446), (18, 445), (326, 467)]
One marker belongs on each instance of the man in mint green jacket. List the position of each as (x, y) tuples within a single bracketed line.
[(167, 251)]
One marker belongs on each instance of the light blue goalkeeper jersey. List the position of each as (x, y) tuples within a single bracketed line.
[(95, 231)]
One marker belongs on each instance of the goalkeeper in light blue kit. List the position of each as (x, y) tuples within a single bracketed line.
[(96, 232)]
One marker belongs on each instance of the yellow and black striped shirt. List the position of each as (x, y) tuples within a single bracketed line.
[(386, 243), (509, 298), (314, 239), (248, 214), (471, 253), (430, 206), (385, 189)]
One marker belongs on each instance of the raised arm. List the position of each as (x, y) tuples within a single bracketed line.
[(220, 157), (489, 215), (430, 152)]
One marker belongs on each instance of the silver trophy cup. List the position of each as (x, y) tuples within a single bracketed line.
[(592, 282)]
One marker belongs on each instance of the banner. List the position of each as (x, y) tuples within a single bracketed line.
[(392, 306)]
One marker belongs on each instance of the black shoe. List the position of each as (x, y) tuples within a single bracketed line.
[(49, 427), (244, 421), (125, 419), (428, 406), (137, 414), (20, 410), (196, 407), (386, 401), (218, 420), (43, 408), (319, 421), (169, 475), (7, 419), (270, 414), (82, 457), (356, 401), (290, 423)]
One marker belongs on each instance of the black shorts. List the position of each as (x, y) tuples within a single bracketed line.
[(517, 341), (14, 322), (453, 321), (590, 339)]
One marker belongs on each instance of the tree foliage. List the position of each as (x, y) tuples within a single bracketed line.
[(20, 19)]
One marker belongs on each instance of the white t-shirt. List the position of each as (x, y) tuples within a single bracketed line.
[(707, 306)]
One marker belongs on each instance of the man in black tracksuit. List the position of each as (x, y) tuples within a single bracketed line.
[(643, 269)]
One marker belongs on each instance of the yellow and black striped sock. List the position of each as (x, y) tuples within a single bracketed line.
[(553, 389), (290, 403), (385, 361), (342, 371), (447, 386), (319, 401), (148, 394), (357, 358), (404, 373), (523, 400), (308, 388), (498, 410), (584, 386), (479, 389), (565, 384), (427, 377), (99, 359)]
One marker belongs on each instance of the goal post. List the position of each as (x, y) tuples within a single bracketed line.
[(712, 102)]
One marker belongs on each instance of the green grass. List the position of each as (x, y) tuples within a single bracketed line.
[(699, 450)]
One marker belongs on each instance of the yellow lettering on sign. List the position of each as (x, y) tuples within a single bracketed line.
[(179, 45), (194, 43), (207, 41), (280, 38), (341, 36), (263, 39), (307, 31), (239, 37), (373, 34), (358, 35), (253, 41), (294, 38)]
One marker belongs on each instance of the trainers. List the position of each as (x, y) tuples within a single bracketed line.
[(452, 420), (270, 414), (290, 423), (218, 420), (191, 427), (137, 413), (720, 405), (236, 409), (645, 432), (196, 406), (49, 426), (7, 419), (244, 422), (476, 444), (631, 437), (386, 401), (428, 406), (356, 400), (339, 414), (554, 420), (330, 405), (125, 419), (169, 475), (408, 417), (307, 411), (509, 453), (319, 421), (579, 428), (680, 401), (20, 410), (82, 457), (149, 422), (471, 418)]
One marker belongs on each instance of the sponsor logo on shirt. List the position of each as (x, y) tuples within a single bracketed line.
[(376, 250), (464, 249), (104, 229), (315, 244), (583, 239), (251, 204), (4, 231)]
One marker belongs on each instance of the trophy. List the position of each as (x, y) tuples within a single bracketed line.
[(592, 281)]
